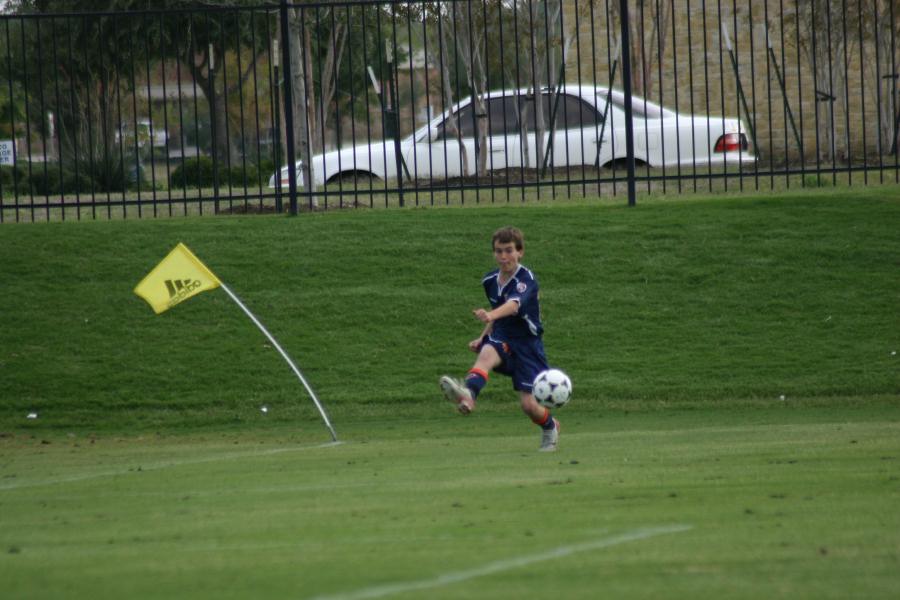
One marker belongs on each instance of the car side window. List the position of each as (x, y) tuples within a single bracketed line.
[(571, 113), (575, 113), (464, 120), (528, 114), (502, 115)]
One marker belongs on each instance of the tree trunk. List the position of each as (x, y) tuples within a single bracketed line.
[(304, 64), (452, 122), (299, 94), (206, 80), (537, 62), (329, 69)]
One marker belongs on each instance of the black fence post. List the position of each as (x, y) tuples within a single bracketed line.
[(626, 84), (392, 127), (212, 119), (276, 137), (288, 107)]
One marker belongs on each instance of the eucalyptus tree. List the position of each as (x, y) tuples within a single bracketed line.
[(203, 36), (88, 59), (72, 71), (522, 44), (333, 45), (821, 27), (880, 29)]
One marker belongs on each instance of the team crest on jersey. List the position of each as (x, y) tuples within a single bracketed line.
[(521, 287)]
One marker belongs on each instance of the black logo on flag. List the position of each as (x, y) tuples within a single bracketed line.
[(178, 288)]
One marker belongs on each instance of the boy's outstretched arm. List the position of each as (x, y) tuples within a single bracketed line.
[(475, 345), (489, 316)]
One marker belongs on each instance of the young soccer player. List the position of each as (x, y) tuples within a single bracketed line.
[(511, 342)]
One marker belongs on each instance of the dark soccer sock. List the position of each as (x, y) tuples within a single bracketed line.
[(475, 380), (546, 422)]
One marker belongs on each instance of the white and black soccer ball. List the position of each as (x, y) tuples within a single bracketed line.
[(552, 388)]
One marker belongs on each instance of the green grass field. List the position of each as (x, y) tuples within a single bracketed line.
[(735, 429)]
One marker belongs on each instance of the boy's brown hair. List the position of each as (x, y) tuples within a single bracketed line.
[(505, 235)]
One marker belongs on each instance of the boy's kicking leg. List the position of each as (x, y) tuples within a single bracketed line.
[(541, 416), (464, 393)]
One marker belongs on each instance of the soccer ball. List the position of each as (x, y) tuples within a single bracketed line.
[(552, 388)]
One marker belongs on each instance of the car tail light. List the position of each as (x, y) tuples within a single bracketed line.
[(730, 142)]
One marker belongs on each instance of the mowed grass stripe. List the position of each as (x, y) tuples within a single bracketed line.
[(140, 459), (354, 516), (761, 497), (153, 466), (509, 564)]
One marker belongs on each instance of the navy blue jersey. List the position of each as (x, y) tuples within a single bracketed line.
[(523, 288)]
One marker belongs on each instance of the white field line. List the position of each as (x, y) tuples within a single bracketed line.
[(160, 465), (499, 566)]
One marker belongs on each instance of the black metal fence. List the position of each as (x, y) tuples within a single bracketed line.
[(368, 103)]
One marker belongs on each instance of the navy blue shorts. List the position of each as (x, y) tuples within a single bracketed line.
[(522, 360)]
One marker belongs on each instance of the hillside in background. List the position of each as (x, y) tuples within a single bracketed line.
[(672, 302)]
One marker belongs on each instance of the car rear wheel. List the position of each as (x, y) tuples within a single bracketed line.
[(358, 179)]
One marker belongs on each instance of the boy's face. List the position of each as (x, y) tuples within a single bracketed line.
[(507, 257)]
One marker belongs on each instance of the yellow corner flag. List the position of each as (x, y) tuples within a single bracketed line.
[(179, 276)]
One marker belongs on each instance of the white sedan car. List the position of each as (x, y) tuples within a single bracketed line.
[(589, 130)]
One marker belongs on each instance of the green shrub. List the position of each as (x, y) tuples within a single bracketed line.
[(109, 176), (97, 176), (44, 180), (199, 172), (77, 183), (258, 173), (193, 172), (13, 178), (51, 181), (266, 169), (239, 177)]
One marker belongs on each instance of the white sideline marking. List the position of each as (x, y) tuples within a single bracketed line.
[(162, 465), (506, 564)]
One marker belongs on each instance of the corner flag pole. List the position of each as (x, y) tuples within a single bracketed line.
[(285, 357)]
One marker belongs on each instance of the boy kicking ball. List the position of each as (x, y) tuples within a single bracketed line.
[(510, 343)]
